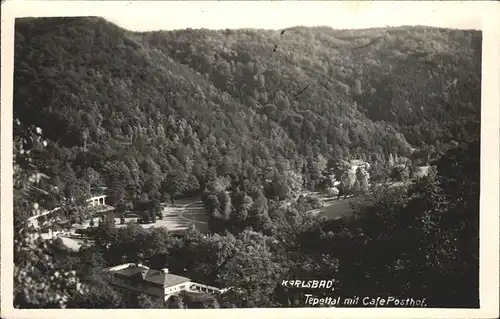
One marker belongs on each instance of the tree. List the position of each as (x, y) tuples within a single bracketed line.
[(253, 284), (278, 189), (192, 184), (118, 193), (175, 184), (362, 180), (99, 295), (400, 173), (332, 192), (235, 121), (357, 87), (433, 253), (176, 302), (198, 301), (156, 208), (459, 177), (227, 206), (294, 182), (357, 188), (39, 279), (242, 205), (390, 161), (378, 172), (347, 180), (105, 234), (148, 302)]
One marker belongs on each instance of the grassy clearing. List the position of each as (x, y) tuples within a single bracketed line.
[(337, 208)]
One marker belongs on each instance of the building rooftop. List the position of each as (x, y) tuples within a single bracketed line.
[(142, 273)]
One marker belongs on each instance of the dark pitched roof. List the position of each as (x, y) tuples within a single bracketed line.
[(167, 280), (151, 275), (129, 271)]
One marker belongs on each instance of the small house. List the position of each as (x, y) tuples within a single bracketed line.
[(135, 279)]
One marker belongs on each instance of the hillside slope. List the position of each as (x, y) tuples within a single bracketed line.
[(145, 113)]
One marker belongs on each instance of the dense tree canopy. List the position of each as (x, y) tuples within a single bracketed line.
[(160, 115)]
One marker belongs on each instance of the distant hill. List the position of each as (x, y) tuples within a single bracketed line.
[(128, 109)]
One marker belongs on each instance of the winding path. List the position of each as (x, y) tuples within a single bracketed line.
[(189, 211), (184, 209)]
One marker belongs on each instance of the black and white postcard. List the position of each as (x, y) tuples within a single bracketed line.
[(273, 159)]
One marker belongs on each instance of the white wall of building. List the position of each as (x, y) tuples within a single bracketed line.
[(172, 290)]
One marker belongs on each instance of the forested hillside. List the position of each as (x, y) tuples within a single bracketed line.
[(138, 107), (250, 119)]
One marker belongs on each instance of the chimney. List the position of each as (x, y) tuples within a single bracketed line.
[(165, 270), (140, 264)]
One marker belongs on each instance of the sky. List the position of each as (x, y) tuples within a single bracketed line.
[(169, 15), (280, 14)]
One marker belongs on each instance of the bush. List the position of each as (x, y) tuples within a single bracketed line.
[(400, 173), (315, 202), (332, 192), (86, 231)]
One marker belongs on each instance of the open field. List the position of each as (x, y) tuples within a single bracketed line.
[(72, 243), (190, 211), (337, 208), (187, 212)]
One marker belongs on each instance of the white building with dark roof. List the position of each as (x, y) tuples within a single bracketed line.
[(135, 279)]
